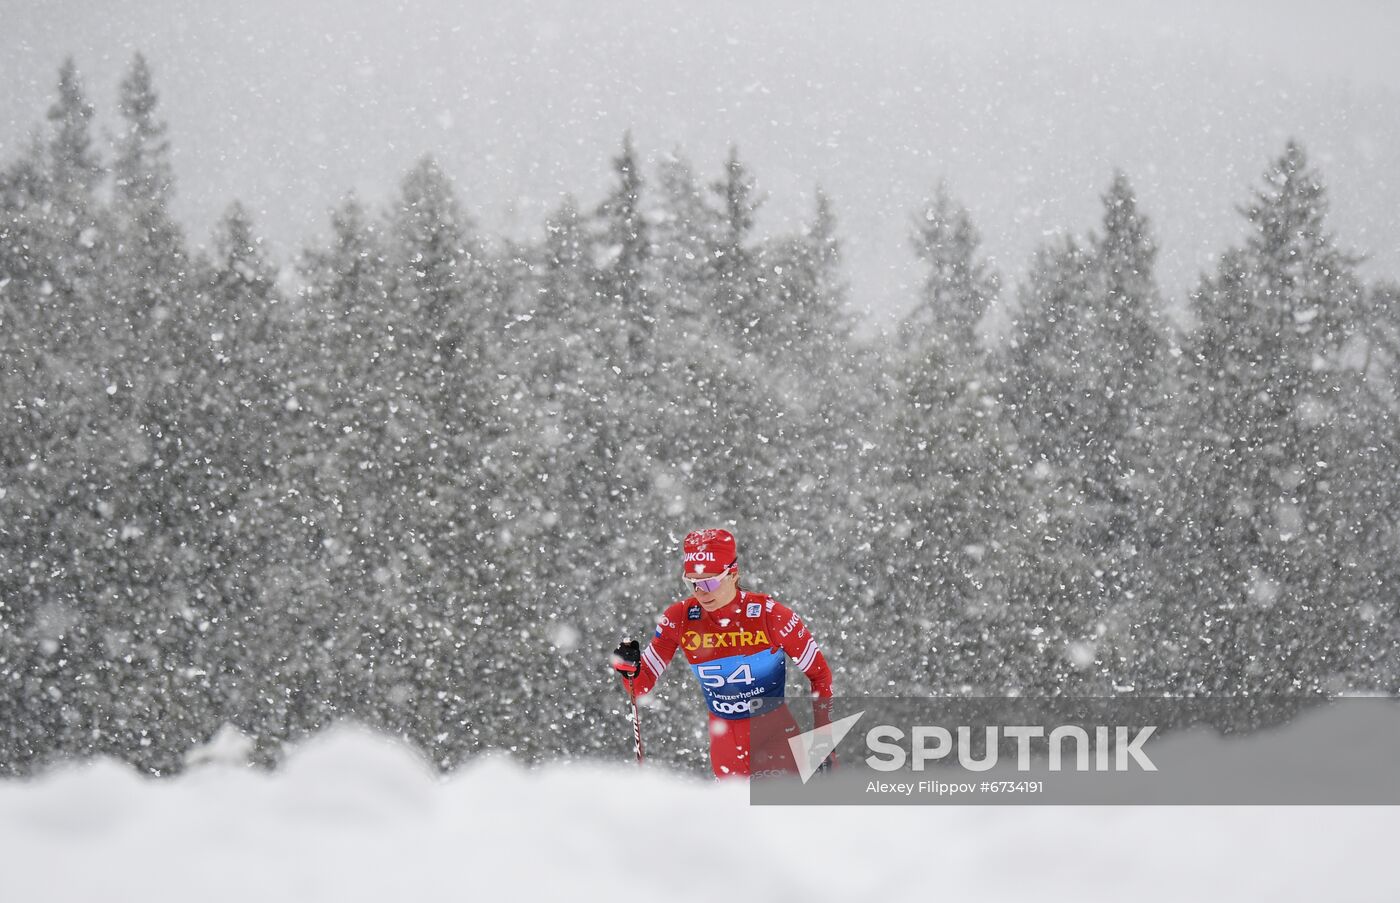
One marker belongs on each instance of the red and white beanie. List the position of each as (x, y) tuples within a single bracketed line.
[(709, 552)]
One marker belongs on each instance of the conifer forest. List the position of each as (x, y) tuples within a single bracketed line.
[(424, 476)]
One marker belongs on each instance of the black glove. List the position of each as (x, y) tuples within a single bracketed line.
[(627, 659)]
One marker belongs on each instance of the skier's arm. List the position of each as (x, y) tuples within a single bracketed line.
[(793, 637), (657, 655)]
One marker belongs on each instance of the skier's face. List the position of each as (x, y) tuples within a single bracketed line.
[(722, 592)]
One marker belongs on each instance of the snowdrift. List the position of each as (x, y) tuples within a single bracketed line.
[(354, 816)]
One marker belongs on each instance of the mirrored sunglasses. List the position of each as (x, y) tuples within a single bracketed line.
[(706, 584)]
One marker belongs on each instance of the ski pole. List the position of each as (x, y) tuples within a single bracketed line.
[(627, 661), (636, 721)]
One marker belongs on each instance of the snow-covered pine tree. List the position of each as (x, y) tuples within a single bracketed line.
[(1270, 509), (149, 241), (814, 458), (801, 276), (563, 354), (950, 466), (338, 448), (1049, 388), (433, 605), (77, 228), (1086, 382), (1373, 562), (1126, 383), (619, 356), (736, 299), (623, 253), (685, 231), (259, 599), (37, 617), (959, 285), (142, 609)]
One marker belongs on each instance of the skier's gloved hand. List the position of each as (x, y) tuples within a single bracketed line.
[(627, 659)]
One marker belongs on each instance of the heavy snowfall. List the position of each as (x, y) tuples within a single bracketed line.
[(419, 462)]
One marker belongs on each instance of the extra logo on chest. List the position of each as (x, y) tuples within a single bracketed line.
[(694, 640), (736, 633)]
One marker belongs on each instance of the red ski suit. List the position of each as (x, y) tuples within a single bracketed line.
[(737, 654)]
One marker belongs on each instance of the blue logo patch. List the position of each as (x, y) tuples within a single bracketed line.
[(693, 613), (755, 609)]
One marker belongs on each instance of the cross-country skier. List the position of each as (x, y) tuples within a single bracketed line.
[(735, 642)]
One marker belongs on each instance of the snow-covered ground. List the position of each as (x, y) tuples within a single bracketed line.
[(352, 816)]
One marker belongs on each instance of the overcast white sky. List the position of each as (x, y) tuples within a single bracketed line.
[(1024, 107)]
